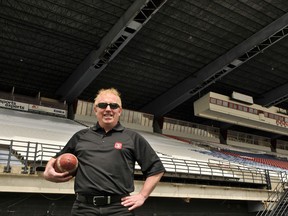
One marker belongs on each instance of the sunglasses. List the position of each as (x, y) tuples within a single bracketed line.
[(104, 105)]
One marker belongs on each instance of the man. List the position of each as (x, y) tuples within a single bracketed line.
[(107, 154)]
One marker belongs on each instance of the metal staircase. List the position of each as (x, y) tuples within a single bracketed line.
[(282, 206), (277, 202)]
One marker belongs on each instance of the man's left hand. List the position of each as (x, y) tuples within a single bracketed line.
[(134, 201)]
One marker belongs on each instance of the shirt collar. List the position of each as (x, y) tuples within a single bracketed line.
[(118, 127)]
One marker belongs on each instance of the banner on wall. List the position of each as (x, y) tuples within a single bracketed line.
[(13, 105), (50, 110)]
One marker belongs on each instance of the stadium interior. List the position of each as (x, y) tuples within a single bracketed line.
[(205, 82)]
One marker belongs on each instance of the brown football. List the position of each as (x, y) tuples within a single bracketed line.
[(66, 163)]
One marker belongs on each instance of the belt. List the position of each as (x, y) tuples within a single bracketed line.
[(99, 200)]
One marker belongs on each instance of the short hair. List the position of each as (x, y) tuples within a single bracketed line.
[(109, 90)]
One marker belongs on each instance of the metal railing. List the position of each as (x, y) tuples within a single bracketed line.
[(215, 170), (31, 155)]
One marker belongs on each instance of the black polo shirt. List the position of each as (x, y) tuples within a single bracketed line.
[(107, 160)]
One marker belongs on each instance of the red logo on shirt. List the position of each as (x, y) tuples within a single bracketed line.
[(118, 145)]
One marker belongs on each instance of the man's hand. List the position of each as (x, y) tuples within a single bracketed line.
[(51, 175), (134, 201)]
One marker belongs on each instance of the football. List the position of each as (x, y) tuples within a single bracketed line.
[(66, 162)]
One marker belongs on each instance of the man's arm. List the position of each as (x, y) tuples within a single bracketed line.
[(138, 200)]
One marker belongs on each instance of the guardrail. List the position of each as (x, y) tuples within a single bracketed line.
[(28, 154), (215, 170), (32, 155)]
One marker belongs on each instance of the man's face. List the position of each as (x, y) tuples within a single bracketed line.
[(107, 116)]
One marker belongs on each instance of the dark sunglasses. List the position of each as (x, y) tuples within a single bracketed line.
[(104, 105)]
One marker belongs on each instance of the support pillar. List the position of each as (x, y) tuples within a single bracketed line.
[(158, 124)]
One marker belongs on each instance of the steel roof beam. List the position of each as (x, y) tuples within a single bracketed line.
[(274, 97), (223, 65), (112, 43)]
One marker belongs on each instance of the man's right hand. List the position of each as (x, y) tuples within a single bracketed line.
[(51, 175)]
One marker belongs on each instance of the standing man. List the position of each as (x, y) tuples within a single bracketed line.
[(107, 153)]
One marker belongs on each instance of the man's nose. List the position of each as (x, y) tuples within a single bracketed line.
[(108, 107)]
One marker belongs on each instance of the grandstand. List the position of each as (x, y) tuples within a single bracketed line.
[(205, 82), (199, 169)]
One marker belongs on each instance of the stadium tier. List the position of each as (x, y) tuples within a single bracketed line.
[(29, 140)]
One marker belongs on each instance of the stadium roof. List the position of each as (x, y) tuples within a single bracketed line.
[(161, 55)]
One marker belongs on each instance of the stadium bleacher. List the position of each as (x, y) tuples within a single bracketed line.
[(28, 126), (34, 138)]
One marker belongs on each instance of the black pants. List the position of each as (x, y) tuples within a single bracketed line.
[(113, 209)]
